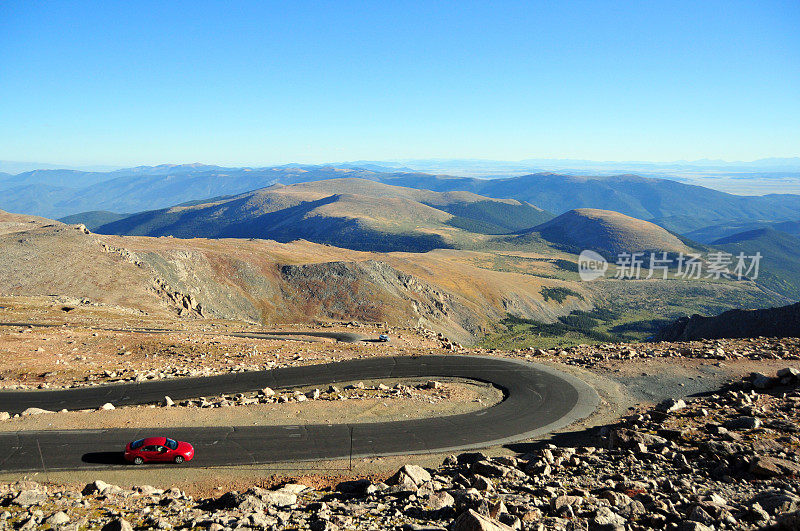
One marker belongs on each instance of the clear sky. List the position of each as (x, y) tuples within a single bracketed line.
[(254, 83)]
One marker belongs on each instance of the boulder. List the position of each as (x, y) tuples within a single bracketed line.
[(440, 500), (773, 466), (34, 411), (107, 406), (409, 477), (168, 402), (607, 519), (356, 486), (29, 497), (629, 439), (57, 519), (489, 469), (743, 423), (616, 499), (293, 488), (776, 501), (670, 404), (118, 524), (761, 381), (250, 504), (97, 486), (313, 395), (4, 415), (260, 520), (563, 501), (148, 490), (472, 521), (279, 498), (468, 458), (481, 483)]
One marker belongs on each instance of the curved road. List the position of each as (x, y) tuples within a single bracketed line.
[(537, 400), (342, 337)]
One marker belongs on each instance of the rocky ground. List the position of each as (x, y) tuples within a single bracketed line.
[(77, 354), (724, 461)]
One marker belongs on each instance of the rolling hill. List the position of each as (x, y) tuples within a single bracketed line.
[(352, 213), (605, 232)]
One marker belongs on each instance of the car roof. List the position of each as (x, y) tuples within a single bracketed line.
[(154, 440)]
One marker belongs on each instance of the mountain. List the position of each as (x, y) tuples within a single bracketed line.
[(640, 197), (33, 199), (605, 232), (352, 213), (54, 178), (779, 268), (677, 206), (16, 167), (264, 281), (723, 230), (673, 169), (770, 322), (59, 193)]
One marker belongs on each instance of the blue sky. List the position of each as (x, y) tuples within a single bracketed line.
[(252, 83)]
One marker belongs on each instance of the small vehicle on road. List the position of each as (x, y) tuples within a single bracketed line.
[(158, 450), (383, 338)]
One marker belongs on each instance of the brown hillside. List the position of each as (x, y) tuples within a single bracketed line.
[(607, 232)]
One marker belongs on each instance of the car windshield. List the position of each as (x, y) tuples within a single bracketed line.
[(171, 444), (137, 444)]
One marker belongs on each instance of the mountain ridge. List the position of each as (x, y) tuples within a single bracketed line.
[(677, 206), (354, 213)]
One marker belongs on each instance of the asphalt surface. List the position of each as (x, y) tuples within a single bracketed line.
[(537, 400), (342, 337)]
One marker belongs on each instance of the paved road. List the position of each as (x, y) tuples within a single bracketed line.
[(342, 337), (537, 400)]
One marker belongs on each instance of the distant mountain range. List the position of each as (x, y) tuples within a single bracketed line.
[(677, 206), (723, 230), (488, 167)]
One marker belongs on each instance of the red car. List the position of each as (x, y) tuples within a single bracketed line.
[(158, 450)]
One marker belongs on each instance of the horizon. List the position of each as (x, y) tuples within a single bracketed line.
[(708, 162)]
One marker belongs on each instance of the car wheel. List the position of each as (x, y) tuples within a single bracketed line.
[(138, 460), (178, 459)]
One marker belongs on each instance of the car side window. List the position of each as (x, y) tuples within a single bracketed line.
[(150, 448)]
